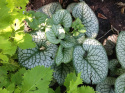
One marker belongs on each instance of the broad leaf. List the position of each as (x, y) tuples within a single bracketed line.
[(61, 71), (120, 84), (64, 55), (120, 48), (55, 33), (42, 54), (62, 17), (70, 7), (50, 9), (91, 60), (106, 86), (88, 18), (37, 79), (68, 41)]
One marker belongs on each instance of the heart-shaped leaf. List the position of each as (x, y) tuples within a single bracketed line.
[(88, 18), (120, 48), (106, 86), (42, 54), (120, 84), (62, 17), (50, 9), (55, 33), (61, 71), (91, 60), (64, 55)]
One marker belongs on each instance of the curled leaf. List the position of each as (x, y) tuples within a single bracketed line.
[(64, 55), (88, 18), (62, 17), (55, 33)]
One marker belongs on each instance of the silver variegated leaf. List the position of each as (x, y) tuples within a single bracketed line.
[(120, 48), (91, 60), (106, 86), (50, 9), (88, 18), (80, 38), (112, 64), (68, 41), (55, 33), (120, 84), (61, 71), (70, 7), (43, 54), (64, 55), (62, 17)]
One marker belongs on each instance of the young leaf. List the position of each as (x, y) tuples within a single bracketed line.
[(91, 60), (106, 85), (78, 27), (50, 9), (55, 33), (61, 71), (37, 81), (42, 54), (88, 18), (62, 17), (120, 84), (120, 48), (64, 55)]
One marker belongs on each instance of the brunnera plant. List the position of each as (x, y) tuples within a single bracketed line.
[(59, 46)]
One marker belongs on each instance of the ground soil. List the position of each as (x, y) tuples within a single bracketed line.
[(110, 15)]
